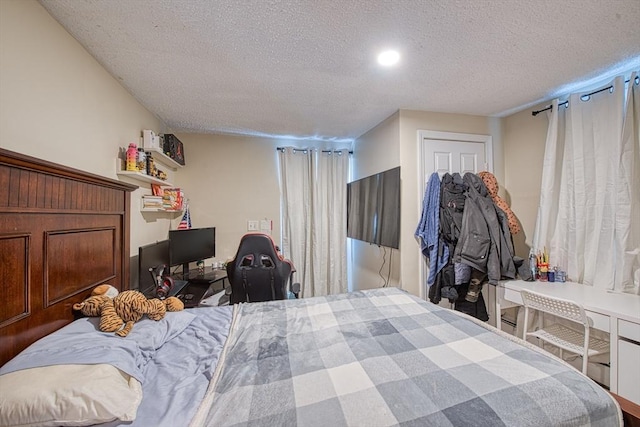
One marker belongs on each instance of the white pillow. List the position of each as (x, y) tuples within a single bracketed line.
[(70, 395)]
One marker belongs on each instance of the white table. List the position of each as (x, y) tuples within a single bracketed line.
[(615, 313)]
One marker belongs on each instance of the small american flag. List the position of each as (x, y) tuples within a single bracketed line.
[(185, 222)]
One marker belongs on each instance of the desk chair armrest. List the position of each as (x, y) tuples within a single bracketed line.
[(295, 289)]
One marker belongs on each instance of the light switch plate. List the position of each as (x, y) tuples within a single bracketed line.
[(265, 225), (252, 225)]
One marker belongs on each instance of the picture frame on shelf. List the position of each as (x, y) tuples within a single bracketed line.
[(173, 148)]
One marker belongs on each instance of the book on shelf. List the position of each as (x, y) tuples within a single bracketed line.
[(172, 199), (152, 202)]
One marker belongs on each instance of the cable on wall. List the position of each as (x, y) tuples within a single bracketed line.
[(384, 261)]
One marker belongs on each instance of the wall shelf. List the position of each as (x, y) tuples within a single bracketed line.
[(158, 209), (165, 162), (139, 176), (159, 156), (161, 210)]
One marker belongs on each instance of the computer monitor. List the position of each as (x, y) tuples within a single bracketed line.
[(191, 245), (149, 257)]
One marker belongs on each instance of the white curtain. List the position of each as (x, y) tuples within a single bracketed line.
[(627, 275), (313, 187), (590, 188)]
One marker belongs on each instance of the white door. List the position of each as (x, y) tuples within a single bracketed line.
[(442, 156), (452, 156), (444, 152)]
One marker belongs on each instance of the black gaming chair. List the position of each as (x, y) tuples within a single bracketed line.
[(258, 272)]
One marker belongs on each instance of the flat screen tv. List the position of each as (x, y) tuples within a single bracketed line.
[(194, 244), (373, 209)]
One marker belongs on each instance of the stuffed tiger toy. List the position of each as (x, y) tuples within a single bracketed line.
[(129, 306), (92, 306), (126, 308)]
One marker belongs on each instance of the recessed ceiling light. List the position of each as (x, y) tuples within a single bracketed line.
[(388, 58)]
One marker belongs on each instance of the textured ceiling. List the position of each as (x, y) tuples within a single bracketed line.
[(307, 68)]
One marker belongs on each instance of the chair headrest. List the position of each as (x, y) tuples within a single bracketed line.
[(257, 245)]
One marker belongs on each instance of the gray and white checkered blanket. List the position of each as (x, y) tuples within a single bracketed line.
[(384, 357)]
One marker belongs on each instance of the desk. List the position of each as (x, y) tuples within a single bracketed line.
[(211, 276), (198, 288), (615, 313)]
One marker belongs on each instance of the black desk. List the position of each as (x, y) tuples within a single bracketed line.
[(210, 276), (198, 287)]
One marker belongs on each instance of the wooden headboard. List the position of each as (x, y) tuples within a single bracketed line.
[(62, 232)]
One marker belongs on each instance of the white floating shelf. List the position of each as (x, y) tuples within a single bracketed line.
[(158, 155), (160, 210), (144, 178)]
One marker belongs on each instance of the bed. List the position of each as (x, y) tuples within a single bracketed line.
[(371, 358), (62, 232)]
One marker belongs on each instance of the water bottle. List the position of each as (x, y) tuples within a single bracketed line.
[(132, 158), (533, 264)]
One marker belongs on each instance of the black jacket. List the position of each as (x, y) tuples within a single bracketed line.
[(485, 240)]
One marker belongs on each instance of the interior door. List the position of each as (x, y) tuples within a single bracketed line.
[(444, 152), (452, 156)]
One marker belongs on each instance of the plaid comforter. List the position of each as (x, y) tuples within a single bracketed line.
[(384, 357)]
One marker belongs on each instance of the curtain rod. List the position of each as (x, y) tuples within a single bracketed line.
[(584, 97), (305, 149), (550, 107)]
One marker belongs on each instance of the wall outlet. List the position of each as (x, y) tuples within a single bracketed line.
[(252, 225)]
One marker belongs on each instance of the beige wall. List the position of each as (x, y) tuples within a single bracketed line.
[(378, 149), (410, 123), (524, 142), (518, 149), (375, 151), (230, 180), (57, 103), (396, 140)]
